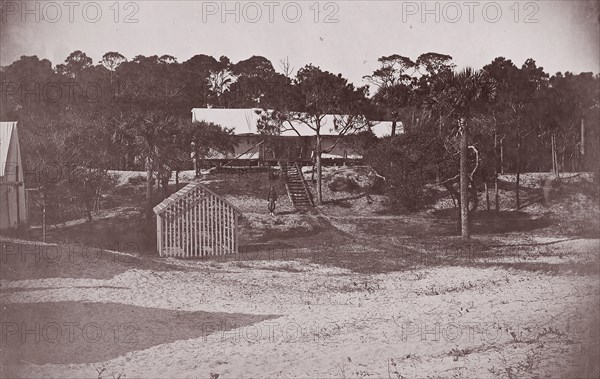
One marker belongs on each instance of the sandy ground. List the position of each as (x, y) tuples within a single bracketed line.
[(345, 292), (294, 318)]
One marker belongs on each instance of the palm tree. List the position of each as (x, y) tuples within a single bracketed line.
[(460, 95)]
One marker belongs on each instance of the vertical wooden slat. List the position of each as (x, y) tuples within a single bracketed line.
[(219, 226), (234, 230), (175, 228), (230, 230), (194, 223), (198, 225), (172, 232), (174, 246), (226, 237), (202, 225), (203, 243), (208, 224), (215, 226), (188, 229), (222, 227), (158, 234), (168, 231), (209, 213), (180, 231), (226, 242), (178, 223), (237, 231), (165, 225), (182, 226), (214, 208), (184, 231)]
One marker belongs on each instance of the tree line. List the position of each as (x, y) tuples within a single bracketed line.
[(134, 114)]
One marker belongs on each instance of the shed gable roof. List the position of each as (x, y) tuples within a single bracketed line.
[(164, 205)]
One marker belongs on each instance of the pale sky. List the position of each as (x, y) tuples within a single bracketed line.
[(559, 35)]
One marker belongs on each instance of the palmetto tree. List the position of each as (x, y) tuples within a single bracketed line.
[(460, 95)]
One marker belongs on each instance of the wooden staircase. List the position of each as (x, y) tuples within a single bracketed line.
[(296, 186)]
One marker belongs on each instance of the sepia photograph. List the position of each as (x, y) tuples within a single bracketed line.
[(300, 189)]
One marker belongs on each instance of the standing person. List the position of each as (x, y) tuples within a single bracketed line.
[(272, 198)]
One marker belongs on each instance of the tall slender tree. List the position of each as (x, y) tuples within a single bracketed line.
[(461, 95)]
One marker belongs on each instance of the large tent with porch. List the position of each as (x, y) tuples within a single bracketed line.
[(293, 143)]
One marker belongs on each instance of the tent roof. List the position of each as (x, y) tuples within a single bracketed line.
[(6, 132), (245, 121)]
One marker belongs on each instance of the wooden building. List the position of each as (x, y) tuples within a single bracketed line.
[(196, 222), (13, 208), (292, 145)]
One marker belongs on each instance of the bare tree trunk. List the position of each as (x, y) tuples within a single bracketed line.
[(464, 182), (496, 164), (319, 171), (487, 195), (502, 155), (554, 156), (552, 153), (496, 194), (44, 221), (149, 174), (517, 184), (582, 147)]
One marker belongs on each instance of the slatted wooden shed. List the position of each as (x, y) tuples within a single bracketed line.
[(196, 222)]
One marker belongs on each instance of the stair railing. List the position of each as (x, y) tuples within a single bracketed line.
[(308, 193), (283, 167)]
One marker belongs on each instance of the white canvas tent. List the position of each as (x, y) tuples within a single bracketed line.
[(13, 209)]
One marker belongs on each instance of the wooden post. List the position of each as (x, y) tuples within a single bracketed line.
[(171, 232), (17, 190), (211, 226), (496, 194), (230, 230), (202, 224), (219, 226), (44, 216), (187, 232), (159, 234), (237, 239), (582, 147), (464, 181), (487, 195), (195, 224)]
